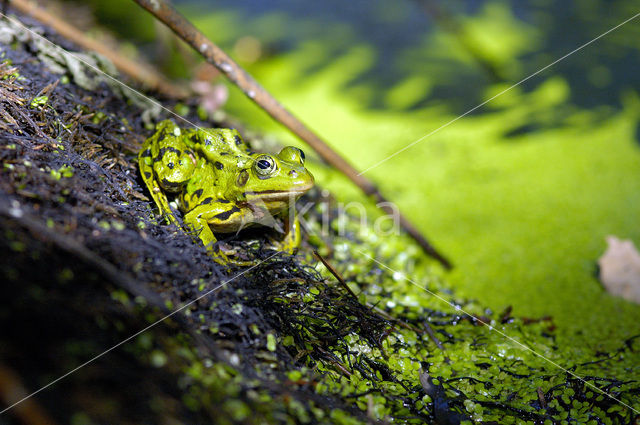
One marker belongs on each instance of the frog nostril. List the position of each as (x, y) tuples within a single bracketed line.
[(293, 173)]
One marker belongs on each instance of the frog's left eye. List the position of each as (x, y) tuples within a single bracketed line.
[(292, 154), (264, 165)]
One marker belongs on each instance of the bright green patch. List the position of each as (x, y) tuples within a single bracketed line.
[(39, 101)]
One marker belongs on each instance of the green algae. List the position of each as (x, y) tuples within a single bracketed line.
[(493, 367), (38, 101), (64, 171)]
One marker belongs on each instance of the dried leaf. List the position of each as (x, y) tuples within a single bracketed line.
[(620, 269)]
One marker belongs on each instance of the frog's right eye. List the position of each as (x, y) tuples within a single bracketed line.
[(292, 154), (264, 165)]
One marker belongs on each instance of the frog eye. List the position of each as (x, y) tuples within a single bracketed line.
[(292, 154), (264, 165)]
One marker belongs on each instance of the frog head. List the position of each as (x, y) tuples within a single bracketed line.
[(274, 180)]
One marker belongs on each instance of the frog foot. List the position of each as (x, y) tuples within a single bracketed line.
[(287, 245), (227, 257), (292, 236)]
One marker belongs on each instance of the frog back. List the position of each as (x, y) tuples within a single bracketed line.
[(217, 144)]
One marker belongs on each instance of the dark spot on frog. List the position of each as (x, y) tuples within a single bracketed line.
[(293, 173), (209, 200), (147, 175), (225, 215), (170, 165), (146, 153), (238, 140), (219, 165), (243, 177), (164, 150), (169, 185), (197, 193)]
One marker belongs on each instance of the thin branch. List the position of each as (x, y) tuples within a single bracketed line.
[(381, 312), (335, 274), (217, 57), (143, 73), (12, 388)]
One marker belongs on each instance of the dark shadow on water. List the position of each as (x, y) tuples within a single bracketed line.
[(596, 75)]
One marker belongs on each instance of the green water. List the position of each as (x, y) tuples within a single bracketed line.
[(520, 194)]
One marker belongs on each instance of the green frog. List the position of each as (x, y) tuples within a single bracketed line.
[(221, 185)]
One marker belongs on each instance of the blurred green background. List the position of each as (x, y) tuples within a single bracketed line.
[(522, 192)]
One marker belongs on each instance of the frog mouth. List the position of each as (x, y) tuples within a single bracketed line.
[(277, 195)]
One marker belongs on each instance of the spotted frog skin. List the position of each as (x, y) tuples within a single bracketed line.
[(221, 185)]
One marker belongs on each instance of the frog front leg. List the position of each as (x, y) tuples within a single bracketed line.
[(292, 236), (208, 215), (167, 164), (150, 179)]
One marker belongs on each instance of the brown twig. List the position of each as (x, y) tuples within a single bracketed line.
[(217, 57), (541, 398), (381, 312), (332, 358), (335, 273), (12, 389), (145, 74), (433, 336)]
